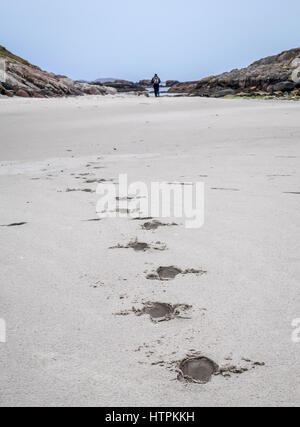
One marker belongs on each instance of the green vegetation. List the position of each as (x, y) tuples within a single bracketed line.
[(6, 54), (207, 79), (256, 96)]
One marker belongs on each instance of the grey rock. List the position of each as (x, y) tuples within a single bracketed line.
[(272, 74), (284, 86)]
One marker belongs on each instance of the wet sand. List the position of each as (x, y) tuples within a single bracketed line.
[(73, 337)]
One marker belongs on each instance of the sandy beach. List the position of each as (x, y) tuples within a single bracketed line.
[(67, 298)]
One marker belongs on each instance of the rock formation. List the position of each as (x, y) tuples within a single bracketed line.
[(170, 83), (26, 80), (125, 86), (273, 76), (145, 83)]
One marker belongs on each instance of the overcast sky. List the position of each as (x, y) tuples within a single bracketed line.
[(132, 39)]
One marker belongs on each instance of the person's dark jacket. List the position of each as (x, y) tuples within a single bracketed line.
[(153, 80)]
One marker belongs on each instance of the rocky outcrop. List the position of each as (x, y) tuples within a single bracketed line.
[(26, 80), (125, 86), (272, 76), (145, 83), (170, 83), (183, 87)]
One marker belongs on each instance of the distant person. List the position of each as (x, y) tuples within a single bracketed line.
[(156, 82)]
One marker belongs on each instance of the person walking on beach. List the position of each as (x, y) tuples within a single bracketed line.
[(156, 82)]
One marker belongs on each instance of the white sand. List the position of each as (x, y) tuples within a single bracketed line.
[(65, 345)]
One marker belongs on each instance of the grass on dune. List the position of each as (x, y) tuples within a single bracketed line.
[(7, 54)]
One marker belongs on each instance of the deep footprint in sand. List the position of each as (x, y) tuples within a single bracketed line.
[(160, 312), (198, 369), (138, 246), (170, 273), (141, 246), (154, 225), (98, 181), (145, 218), (84, 190)]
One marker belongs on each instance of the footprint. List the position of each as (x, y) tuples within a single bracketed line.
[(170, 273), (98, 181), (197, 369), (142, 218), (159, 312), (154, 225), (84, 190), (141, 246)]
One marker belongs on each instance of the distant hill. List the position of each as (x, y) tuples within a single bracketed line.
[(271, 76), (27, 80)]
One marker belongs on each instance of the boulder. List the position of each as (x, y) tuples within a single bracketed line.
[(125, 86), (224, 92), (92, 90), (295, 92), (66, 81), (185, 87), (37, 95), (145, 83), (9, 93), (110, 90), (284, 86), (170, 83), (94, 83), (22, 93)]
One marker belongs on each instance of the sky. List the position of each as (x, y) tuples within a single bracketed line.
[(133, 39)]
